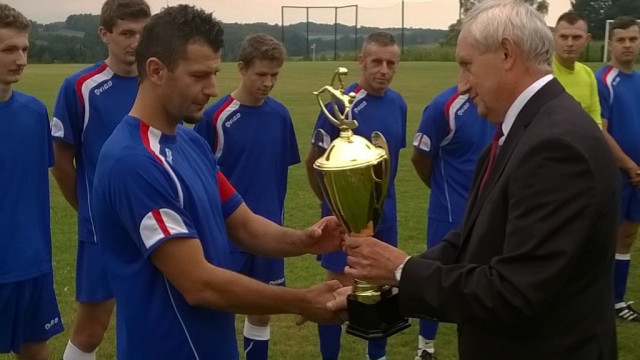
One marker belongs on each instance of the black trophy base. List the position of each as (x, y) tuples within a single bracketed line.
[(378, 320)]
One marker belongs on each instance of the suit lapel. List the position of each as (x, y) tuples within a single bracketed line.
[(529, 111)]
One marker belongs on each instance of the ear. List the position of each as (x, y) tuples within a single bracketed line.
[(156, 70), (588, 37), (104, 35), (508, 50), (361, 61), (241, 68)]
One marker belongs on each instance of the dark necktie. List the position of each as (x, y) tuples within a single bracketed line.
[(492, 154)]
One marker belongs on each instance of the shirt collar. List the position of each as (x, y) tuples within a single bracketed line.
[(517, 105)]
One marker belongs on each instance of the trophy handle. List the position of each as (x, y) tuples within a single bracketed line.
[(381, 173)]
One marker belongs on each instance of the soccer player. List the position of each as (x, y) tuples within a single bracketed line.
[(164, 211), (570, 37), (446, 147), (90, 104), (28, 306), (377, 108), (618, 87), (238, 127)]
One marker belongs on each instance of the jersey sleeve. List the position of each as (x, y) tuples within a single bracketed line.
[(605, 99), (294, 152), (404, 125), (432, 129), (324, 124), (145, 198), (68, 121), (52, 160), (205, 127), (594, 101), (229, 197)]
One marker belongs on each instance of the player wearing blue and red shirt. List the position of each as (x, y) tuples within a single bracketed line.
[(376, 108), (618, 88), (90, 104), (237, 127), (28, 308), (450, 137), (164, 212)]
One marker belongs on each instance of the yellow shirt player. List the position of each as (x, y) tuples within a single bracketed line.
[(570, 37)]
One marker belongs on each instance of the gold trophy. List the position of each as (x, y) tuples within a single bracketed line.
[(353, 174)]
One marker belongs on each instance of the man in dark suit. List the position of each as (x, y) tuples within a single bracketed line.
[(529, 273)]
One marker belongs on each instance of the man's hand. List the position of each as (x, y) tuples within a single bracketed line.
[(317, 309), (372, 260), (324, 236)]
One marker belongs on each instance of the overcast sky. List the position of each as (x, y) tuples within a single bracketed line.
[(436, 14)]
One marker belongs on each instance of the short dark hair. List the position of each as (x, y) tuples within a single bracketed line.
[(11, 18), (114, 10), (571, 17), (261, 47), (168, 33), (380, 38), (622, 23)]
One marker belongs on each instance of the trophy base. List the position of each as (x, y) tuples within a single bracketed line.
[(376, 320)]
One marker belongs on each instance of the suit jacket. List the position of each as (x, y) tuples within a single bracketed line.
[(529, 275)]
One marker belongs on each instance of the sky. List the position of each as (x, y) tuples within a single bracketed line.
[(436, 14)]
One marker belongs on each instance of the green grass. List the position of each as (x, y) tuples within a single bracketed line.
[(419, 82)]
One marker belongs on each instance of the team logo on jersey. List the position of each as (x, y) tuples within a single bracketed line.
[(103, 88), (463, 109), (53, 321), (233, 119), (360, 107), (169, 156), (615, 81)]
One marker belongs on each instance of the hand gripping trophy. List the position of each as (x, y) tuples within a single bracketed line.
[(353, 174)]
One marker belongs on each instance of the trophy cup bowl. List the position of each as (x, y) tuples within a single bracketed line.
[(353, 174)]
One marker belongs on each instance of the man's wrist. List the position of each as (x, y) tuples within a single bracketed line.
[(398, 272)]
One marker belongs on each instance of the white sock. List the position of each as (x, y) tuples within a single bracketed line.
[(254, 332), (425, 344), (71, 352)]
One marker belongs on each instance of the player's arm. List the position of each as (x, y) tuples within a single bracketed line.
[(623, 160), (312, 155), (202, 284), (64, 171), (423, 164), (594, 105), (261, 236)]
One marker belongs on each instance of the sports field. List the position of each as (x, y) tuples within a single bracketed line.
[(419, 82)]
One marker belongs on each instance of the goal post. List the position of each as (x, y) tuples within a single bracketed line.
[(331, 15)]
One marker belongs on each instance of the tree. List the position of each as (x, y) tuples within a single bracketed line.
[(596, 13), (542, 6)]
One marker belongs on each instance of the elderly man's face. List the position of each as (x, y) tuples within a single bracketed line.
[(480, 77)]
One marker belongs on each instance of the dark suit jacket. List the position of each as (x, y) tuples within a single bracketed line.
[(529, 275)]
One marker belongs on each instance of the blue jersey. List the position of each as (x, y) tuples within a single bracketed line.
[(254, 147), (90, 104), (618, 93), (25, 157), (454, 135), (151, 187), (386, 114)]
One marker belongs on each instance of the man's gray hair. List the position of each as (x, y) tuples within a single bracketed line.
[(490, 21)]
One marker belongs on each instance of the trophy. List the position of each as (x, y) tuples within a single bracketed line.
[(353, 174)]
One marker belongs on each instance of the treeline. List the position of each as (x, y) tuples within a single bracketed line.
[(76, 39)]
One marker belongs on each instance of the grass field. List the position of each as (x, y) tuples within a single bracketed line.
[(419, 82)]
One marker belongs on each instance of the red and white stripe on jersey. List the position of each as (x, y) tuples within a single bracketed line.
[(453, 105), (422, 141), (87, 82), (151, 140), (159, 224), (219, 117), (360, 93), (607, 77), (225, 188)]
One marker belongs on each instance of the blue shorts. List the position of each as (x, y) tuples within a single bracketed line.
[(92, 284), (337, 260), (264, 269), (437, 230), (629, 201), (29, 312)]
